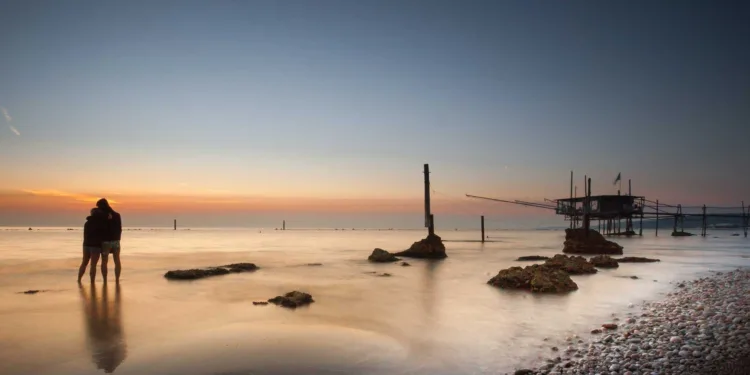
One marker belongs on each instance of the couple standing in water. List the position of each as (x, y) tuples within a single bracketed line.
[(101, 237)]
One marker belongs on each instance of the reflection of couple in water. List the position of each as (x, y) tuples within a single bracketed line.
[(104, 327)]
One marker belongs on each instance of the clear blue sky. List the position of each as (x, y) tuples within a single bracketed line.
[(350, 98)]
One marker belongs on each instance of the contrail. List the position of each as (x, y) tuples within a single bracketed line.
[(6, 114), (14, 130)]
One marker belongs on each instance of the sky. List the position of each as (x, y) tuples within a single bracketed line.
[(249, 111)]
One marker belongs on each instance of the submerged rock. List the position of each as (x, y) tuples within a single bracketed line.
[(578, 242), (382, 256), (260, 303), (405, 264), (604, 261), (609, 326), (536, 278), (681, 233), (33, 291), (430, 247), (531, 257), (636, 260), (292, 300), (574, 265), (193, 274)]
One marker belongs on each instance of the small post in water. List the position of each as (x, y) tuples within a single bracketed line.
[(657, 218), (175, 224), (482, 228), (283, 225)]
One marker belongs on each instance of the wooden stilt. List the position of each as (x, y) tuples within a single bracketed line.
[(657, 218), (482, 228)]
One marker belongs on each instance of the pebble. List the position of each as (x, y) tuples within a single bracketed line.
[(702, 324)]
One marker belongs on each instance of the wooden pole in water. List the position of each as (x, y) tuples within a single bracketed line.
[(573, 204), (482, 228), (427, 213), (657, 218), (283, 225), (175, 224), (629, 187), (703, 227)]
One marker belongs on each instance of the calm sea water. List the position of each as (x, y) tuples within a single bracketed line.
[(431, 318)]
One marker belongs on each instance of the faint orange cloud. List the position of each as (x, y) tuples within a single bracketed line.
[(62, 194)]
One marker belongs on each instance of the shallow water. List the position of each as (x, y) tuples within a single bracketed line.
[(431, 318)]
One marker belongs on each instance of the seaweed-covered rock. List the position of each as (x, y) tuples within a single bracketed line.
[(636, 260), (574, 265), (604, 261), (292, 300), (531, 257), (199, 273), (578, 242), (430, 247), (536, 278), (382, 256)]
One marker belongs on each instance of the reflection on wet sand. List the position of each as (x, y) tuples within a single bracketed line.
[(104, 327)]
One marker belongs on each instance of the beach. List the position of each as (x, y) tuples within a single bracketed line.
[(435, 317)]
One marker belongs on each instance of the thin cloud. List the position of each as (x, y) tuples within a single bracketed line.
[(14, 130), (6, 114), (62, 194)]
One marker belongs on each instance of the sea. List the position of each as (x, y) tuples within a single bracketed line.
[(434, 317)]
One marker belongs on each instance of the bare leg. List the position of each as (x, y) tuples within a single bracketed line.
[(94, 261), (84, 263), (105, 258), (118, 265)]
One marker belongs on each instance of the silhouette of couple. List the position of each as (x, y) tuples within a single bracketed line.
[(101, 236)]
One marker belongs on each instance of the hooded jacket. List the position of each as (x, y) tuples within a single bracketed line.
[(96, 229)]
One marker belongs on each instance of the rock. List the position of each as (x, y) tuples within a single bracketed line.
[(386, 274), (430, 247), (574, 265), (314, 264), (578, 241), (382, 256), (681, 234), (636, 260), (531, 257), (634, 277), (32, 291), (261, 303), (596, 331), (609, 326), (404, 264), (292, 299), (193, 274), (604, 261), (523, 372), (536, 278)]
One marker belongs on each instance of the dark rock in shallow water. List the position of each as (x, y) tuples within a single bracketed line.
[(536, 278), (523, 372), (604, 261), (314, 264), (260, 303), (430, 247), (636, 260), (574, 265), (193, 274), (382, 256), (292, 300), (578, 242), (681, 234), (404, 264), (609, 326), (33, 291), (531, 257)]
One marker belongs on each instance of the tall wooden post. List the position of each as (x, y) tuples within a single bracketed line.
[(427, 213), (283, 225), (703, 227), (745, 217), (573, 204), (629, 188), (482, 228), (175, 224), (657, 218)]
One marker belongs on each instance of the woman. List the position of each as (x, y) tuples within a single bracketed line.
[(94, 232)]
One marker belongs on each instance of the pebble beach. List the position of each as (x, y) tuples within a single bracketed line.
[(702, 327)]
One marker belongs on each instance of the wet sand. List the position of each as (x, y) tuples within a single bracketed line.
[(431, 318)]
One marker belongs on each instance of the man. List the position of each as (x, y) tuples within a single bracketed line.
[(111, 243)]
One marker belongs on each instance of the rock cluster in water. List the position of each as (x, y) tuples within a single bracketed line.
[(578, 242), (200, 273), (292, 300), (531, 258), (701, 328), (430, 247), (573, 265), (604, 261), (382, 256), (636, 260), (536, 278)]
